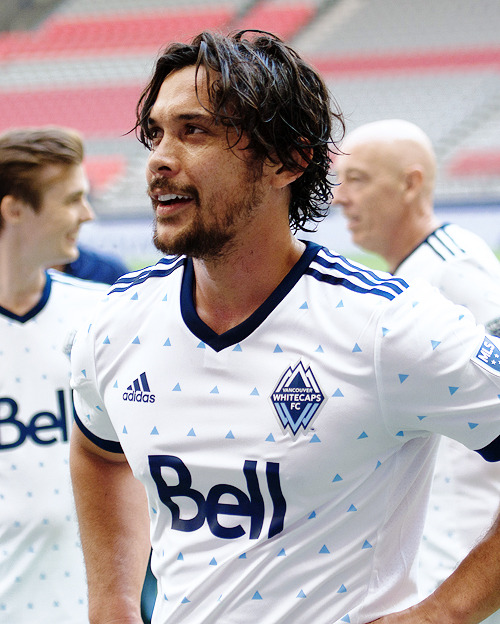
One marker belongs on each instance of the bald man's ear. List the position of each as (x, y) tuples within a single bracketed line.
[(414, 182)]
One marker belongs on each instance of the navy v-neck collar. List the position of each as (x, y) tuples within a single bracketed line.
[(36, 309), (234, 335)]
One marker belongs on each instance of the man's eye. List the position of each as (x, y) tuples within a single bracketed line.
[(194, 130)]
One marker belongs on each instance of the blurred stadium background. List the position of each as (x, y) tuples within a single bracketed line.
[(83, 63)]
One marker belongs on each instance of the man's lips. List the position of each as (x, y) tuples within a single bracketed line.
[(166, 203)]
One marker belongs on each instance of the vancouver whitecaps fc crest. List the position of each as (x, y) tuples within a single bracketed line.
[(297, 398)]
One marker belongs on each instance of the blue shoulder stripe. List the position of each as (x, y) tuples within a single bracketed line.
[(355, 277), (164, 267)]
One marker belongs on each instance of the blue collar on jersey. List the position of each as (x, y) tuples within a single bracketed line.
[(36, 309), (236, 334)]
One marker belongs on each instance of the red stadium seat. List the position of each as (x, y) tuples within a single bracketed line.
[(477, 163), (128, 33), (103, 170)]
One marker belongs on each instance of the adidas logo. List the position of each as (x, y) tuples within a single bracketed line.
[(139, 391)]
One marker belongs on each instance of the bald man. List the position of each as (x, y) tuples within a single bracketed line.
[(387, 175)]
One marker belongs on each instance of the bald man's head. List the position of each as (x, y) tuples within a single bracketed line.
[(386, 178), (404, 144)]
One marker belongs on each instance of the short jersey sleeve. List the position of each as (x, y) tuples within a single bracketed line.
[(430, 375), (91, 415), (467, 283)]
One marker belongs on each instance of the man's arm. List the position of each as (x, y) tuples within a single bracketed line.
[(467, 596), (114, 527)]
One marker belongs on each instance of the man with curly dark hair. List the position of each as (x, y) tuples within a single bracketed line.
[(265, 392)]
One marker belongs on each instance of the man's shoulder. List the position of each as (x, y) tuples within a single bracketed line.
[(147, 277), (453, 243), (71, 296), (71, 283), (334, 269)]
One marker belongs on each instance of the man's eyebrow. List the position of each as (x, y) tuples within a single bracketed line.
[(193, 117)]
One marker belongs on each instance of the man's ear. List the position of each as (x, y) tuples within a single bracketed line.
[(413, 181), (12, 209), (283, 176)]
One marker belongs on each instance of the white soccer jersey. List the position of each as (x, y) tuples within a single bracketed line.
[(286, 461), (42, 577), (466, 490), (462, 266)]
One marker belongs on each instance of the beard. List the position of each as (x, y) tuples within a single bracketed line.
[(211, 232)]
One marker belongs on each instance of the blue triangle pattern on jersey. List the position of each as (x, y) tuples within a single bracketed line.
[(136, 340), (256, 596), (473, 425), (312, 515), (301, 594), (229, 435), (324, 550), (356, 348), (385, 331), (304, 306), (214, 390), (154, 431), (336, 478), (191, 433), (201, 345), (254, 392), (402, 377), (362, 435), (435, 343), (134, 297), (213, 562), (106, 341), (167, 343), (338, 393), (346, 618), (366, 544), (340, 304), (176, 388), (314, 439), (341, 589), (270, 438), (453, 389), (278, 349), (282, 553), (352, 508), (238, 348), (319, 349)]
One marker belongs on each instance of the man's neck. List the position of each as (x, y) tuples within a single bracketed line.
[(21, 286), (227, 291), (408, 242)]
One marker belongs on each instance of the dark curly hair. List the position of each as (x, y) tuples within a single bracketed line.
[(262, 88)]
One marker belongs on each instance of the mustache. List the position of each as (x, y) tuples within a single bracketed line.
[(162, 186)]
